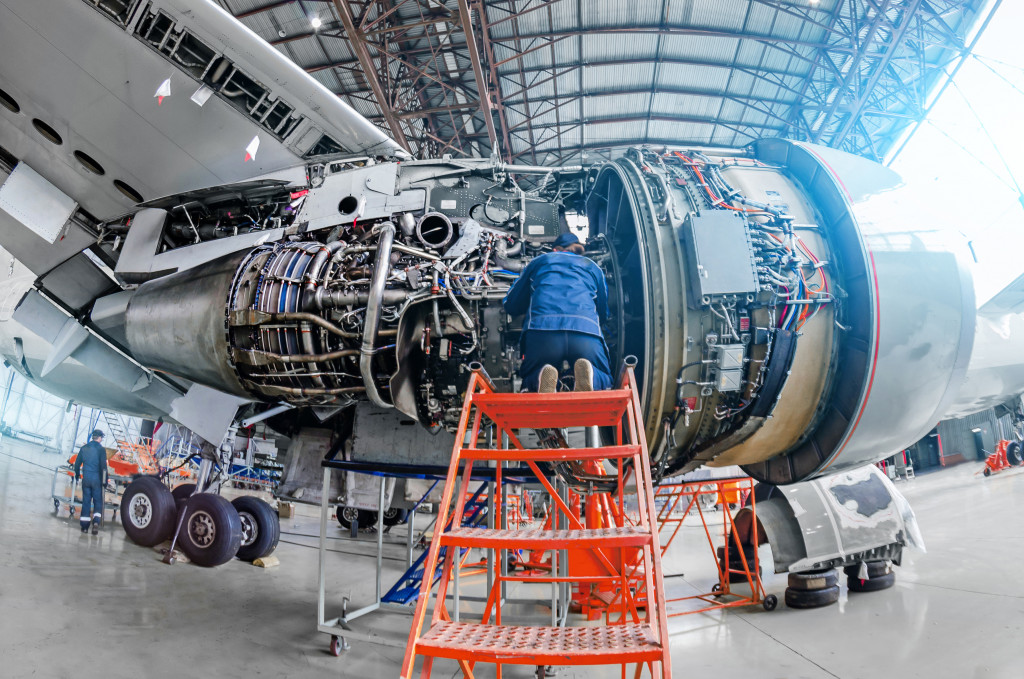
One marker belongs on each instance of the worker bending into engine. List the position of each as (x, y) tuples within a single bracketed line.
[(91, 470), (564, 296)]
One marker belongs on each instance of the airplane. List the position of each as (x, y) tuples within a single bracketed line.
[(200, 232)]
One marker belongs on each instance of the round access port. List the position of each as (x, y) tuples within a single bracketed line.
[(128, 191), (9, 102), (49, 134), (89, 163), (435, 230), (348, 205)]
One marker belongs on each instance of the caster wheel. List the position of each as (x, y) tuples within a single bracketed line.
[(71, 512), (987, 472), (716, 589), (338, 644), (770, 602)]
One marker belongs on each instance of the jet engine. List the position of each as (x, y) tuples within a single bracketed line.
[(791, 311)]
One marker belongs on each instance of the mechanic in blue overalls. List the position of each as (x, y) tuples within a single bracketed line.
[(91, 470), (564, 296)]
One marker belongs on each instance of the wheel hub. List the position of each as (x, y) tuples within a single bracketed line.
[(140, 510), (250, 529), (202, 529)]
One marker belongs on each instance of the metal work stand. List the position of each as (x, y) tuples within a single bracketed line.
[(338, 627)]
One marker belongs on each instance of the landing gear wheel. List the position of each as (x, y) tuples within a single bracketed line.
[(338, 645), (798, 598), (770, 602), (394, 516), (261, 528), (184, 491), (211, 531), (367, 519), (812, 580), (147, 511), (1014, 455), (346, 515), (880, 576)]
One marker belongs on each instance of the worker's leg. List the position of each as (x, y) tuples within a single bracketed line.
[(591, 348), (97, 505), (85, 518), (540, 348)]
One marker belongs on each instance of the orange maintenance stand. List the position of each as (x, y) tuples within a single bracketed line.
[(627, 556)]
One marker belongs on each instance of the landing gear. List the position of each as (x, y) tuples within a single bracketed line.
[(261, 528), (880, 576), (147, 511), (394, 516), (211, 531), (348, 515), (812, 589)]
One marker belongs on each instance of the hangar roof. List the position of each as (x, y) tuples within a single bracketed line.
[(564, 80)]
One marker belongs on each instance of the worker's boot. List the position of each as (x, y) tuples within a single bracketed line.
[(97, 519), (84, 523), (548, 380), (584, 375)]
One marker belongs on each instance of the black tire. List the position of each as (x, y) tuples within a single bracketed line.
[(1014, 455), (799, 598), (147, 511), (812, 580), (346, 515), (183, 492), (211, 531), (261, 529), (987, 471), (770, 602), (873, 584), (876, 569), (734, 553), (395, 516), (367, 518)]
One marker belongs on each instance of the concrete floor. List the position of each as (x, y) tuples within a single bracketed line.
[(83, 606)]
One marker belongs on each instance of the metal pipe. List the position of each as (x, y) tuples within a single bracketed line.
[(266, 414), (381, 268), (478, 368)]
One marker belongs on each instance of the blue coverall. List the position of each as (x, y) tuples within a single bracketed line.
[(564, 297), (91, 467)]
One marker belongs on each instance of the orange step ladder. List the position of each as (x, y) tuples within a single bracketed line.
[(632, 634)]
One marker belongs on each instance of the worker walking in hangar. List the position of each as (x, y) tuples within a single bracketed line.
[(91, 470), (564, 296)]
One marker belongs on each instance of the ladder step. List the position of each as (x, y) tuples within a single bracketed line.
[(551, 454), (524, 645), (564, 409), (470, 536)]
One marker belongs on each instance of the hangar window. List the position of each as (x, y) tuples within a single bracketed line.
[(49, 134), (120, 11), (9, 102), (128, 191), (89, 163)]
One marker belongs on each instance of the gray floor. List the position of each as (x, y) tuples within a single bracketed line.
[(83, 606)]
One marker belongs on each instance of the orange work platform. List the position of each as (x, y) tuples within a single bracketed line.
[(626, 555)]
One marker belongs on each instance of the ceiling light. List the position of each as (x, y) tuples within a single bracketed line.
[(315, 22)]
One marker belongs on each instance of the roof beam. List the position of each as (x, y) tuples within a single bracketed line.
[(478, 75), (370, 72)]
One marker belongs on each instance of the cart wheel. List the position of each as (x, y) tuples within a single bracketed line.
[(71, 511), (770, 602), (987, 472), (716, 589), (338, 644), (56, 505)]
